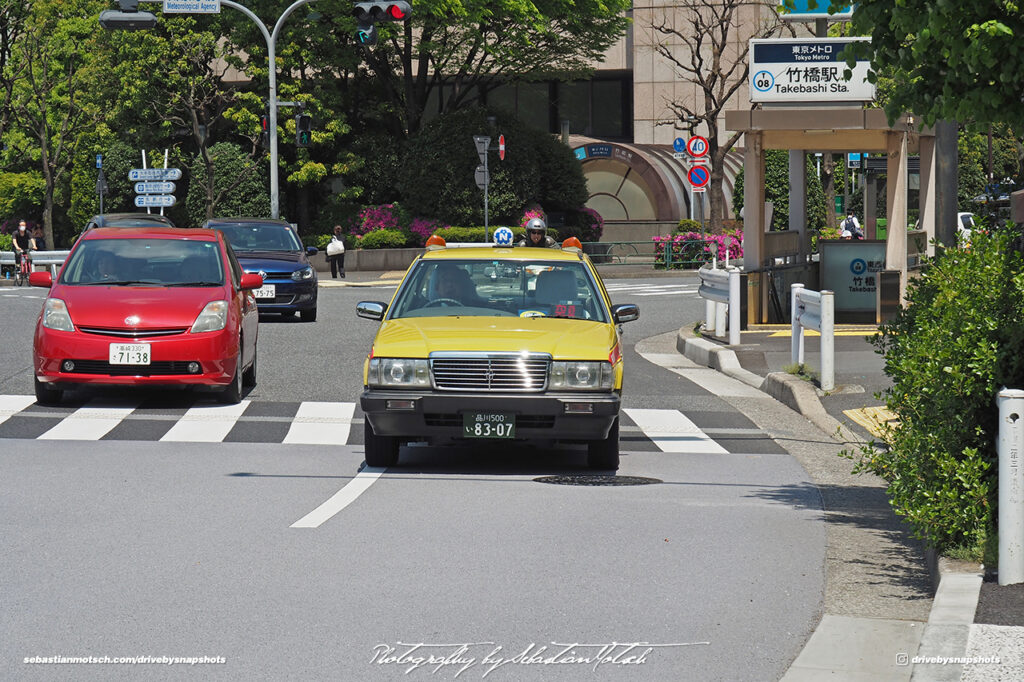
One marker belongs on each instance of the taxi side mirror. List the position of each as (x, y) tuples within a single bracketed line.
[(625, 312), (41, 279), (371, 310)]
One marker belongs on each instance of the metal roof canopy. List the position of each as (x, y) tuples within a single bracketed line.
[(830, 129)]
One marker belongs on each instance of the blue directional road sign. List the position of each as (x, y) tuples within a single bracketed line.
[(155, 187), (154, 174), (155, 200)]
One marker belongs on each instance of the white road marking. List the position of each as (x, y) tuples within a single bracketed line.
[(13, 404), (87, 423), (321, 423), (673, 432), (206, 424), (341, 499)]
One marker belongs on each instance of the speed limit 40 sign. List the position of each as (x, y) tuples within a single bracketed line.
[(697, 146)]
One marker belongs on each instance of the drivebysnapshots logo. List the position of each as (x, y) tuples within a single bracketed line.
[(907, 659)]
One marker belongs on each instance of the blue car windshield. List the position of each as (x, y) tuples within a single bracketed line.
[(260, 237), (142, 262), (499, 288)]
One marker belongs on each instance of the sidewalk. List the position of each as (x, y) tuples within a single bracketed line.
[(970, 624)]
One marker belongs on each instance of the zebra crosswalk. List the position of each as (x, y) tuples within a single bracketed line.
[(306, 423), (631, 290)]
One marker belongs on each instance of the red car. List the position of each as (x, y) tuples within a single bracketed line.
[(147, 306)]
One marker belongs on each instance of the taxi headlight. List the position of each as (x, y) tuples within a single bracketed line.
[(581, 376), (213, 318), (399, 373), (302, 275), (55, 316)]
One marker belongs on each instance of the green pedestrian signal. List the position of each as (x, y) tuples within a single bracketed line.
[(303, 130)]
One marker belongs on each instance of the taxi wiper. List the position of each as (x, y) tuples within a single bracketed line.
[(194, 284)]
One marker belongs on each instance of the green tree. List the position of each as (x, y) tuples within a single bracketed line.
[(437, 177), (452, 52), (777, 191), (954, 61), (238, 190), (50, 100)]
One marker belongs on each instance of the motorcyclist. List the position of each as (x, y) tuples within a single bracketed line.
[(537, 234)]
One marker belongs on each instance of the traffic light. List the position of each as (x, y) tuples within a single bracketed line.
[(366, 34), (128, 18), (303, 130), (368, 13)]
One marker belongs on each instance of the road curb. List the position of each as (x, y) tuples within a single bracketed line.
[(956, 584), (792, 391)]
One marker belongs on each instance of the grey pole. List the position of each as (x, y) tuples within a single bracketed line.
[(275, 192)]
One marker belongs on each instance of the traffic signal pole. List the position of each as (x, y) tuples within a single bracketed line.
[(271, 38)]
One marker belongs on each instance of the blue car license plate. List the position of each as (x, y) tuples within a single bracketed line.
[(488, 425)]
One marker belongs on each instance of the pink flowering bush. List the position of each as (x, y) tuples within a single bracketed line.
[(534, 211), (422, 228), (693, 249), (383, 217)]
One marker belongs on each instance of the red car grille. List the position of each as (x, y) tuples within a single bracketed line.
[(102, 367), (133, 333)]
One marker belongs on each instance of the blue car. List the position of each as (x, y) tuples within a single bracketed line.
[(272, 248)]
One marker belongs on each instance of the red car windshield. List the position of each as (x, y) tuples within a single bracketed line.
[(157, 262)]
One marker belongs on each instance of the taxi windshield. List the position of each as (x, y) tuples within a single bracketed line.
[(499, 288)]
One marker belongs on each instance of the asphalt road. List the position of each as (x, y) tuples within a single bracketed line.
[(128, 546)]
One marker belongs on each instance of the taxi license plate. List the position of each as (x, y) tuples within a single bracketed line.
[(130, 354), (265, 291), (488, 425)]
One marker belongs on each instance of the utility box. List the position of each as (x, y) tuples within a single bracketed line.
[(887, 295)]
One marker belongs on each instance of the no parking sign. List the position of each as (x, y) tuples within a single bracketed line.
[(699, 176)]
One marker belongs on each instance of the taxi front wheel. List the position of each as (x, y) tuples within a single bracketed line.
[(604, 454), (380, 451)]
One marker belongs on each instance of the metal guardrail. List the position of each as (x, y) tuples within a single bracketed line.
[(688, 254), (53, 259), (815, 310), (721, 289)]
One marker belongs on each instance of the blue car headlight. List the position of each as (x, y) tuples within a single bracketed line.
[(303, 275)]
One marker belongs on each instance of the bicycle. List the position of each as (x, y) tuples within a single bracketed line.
[(24, 269)]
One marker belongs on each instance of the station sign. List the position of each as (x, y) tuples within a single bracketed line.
[(155, 200), (806, 70), (154, 174)]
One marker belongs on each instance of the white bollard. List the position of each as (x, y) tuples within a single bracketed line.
[(1011, 486), (734, 307), (709, 316), (828, 340), (796, 343), (720, 309)]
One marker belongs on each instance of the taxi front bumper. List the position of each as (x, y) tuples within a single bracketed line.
[(560, 416)]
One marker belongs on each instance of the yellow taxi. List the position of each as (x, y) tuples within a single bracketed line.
[(496, 343)]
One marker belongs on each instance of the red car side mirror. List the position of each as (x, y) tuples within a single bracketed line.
[(41, 279), (250, 280)]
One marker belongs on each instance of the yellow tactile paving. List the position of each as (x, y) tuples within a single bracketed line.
[(873, 419)]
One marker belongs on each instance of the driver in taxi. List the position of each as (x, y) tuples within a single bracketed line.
[(453, 283)]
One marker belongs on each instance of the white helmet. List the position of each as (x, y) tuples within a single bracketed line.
[(537, 225)]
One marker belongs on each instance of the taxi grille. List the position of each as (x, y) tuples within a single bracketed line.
[(490, 372), (133, 332)]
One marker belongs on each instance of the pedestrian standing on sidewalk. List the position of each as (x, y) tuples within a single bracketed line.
[(336, 253)]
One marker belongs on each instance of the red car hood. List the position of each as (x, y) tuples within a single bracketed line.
[(156, 307)]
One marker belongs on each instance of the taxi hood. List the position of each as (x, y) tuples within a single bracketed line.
[(564, 339)]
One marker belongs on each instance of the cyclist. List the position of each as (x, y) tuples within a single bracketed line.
[(23, 245), (537, 234)]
